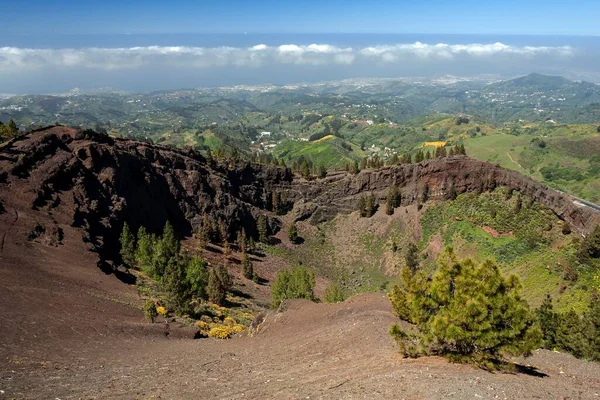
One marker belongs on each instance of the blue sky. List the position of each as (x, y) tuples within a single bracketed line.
[(46, 17)]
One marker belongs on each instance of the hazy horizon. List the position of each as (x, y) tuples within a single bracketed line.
[(141, 63)]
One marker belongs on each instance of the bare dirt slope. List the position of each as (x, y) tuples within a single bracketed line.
[(306, 351)]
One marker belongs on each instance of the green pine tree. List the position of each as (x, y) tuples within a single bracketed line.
[(144, 249), (263, 229), (175, 284), (166, 248), (411, 257), (293, 233), (197, 276), (467, 312), (570, 334), (247, 267), (548, 321), (214, 288), (128, 246)]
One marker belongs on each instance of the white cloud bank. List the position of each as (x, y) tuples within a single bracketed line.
[(19, 59)]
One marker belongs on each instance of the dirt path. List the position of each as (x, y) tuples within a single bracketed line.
[(515, 162)]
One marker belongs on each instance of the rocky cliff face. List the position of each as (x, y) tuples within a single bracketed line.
[(88, 180), (323, 199), (63, 176)]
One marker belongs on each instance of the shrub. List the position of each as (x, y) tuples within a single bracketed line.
[(225, 331), (221, 332), (150, 310), (293, 283), (466, 312), (203, 328), (590, 246)]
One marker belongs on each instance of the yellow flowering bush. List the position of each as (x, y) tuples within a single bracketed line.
[(221, 332), (225, 331), (229, 321), (203, 327), (161, 310)]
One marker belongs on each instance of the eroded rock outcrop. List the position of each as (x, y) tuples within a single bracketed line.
[(83, 179)]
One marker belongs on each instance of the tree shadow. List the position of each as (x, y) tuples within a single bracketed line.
[(529, 370), (298, 240), (241, 294), (122, 275)]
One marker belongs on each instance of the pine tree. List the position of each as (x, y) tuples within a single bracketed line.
[(419, 156), (362, 206), (275, 202), (166, 248), (370, 205), (467, 312), (305, 170), (247, 267), (548, 321), (569, 334), (389, 208), (590, 246), (592, 328), (214, 289), (395, 195), (224, 277), (176, 285), (12, 129), (242, 241), (355, 169), (144, 250), (197, 276), (412, 257), (425, 193), (293, 233), (322, 171), (127, 245), (263, 230)]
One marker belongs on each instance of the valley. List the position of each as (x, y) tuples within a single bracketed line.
[(76, 324)]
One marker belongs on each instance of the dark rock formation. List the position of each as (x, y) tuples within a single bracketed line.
[(83, 179), (340, 192), (95, 182)]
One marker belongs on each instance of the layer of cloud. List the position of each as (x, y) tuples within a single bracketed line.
[(13, 58)]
